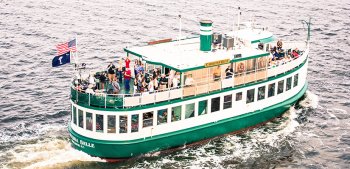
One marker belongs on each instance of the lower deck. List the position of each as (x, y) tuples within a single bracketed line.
[(125, 149), (177, 115)]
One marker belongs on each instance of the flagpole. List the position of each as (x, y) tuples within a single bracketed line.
[(76, 48)]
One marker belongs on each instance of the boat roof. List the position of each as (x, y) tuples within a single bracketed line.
[(185, 55)]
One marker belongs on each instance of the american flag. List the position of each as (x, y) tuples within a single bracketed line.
[(66, 47)]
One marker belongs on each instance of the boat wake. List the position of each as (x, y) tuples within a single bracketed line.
[(270, 142), (46, 153)]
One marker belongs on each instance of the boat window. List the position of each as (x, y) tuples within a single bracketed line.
[(215, 104), (228, 101), (111, 124), (261, 93), (123, 124), (238, 96), (189, 111), (289, 83), (147, 119), (88, 121), (176, 113), (80, 118), (280, 87), (162, 116), (74, 115), (271, 91), (295, 80), (99, 123), (203, 107), (134, 123), (250, 95)]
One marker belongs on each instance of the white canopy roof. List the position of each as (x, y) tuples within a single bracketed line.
[(185, 54)]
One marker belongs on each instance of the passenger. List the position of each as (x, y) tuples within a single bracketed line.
[(189, 80), (136, 67), (144, 86), (116, 87), (127, 77), (151, 85), (175, 82), (217, 73), (89, 90), (139, 82), (163, 82), (120, 71), (279, 44), (92, 79), (111, 73), (295, 53), (127, 63), (141, 69), (155, 83), (102, 80), (229, 72), (171, 77), (135, 85)]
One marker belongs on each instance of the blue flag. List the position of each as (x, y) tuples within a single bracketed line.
[(61, 59)]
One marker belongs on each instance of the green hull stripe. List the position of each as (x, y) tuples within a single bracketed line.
[(125, 149), (198, 96)]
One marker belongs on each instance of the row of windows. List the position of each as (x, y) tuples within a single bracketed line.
[(176, 112)]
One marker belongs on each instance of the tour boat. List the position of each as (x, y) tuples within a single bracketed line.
[(209, 99)]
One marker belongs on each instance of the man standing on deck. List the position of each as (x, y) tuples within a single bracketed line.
[(127, 77)]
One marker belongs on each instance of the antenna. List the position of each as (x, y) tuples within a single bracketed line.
[(180, 27), (239, 17)]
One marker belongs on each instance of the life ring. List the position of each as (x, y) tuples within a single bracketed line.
[(241, 67)]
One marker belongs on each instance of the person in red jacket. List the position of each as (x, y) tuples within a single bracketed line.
[(127, 77), (127, 62)]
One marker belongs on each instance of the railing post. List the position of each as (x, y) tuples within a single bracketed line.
[(77, 95), (106, 101), (123, 101)]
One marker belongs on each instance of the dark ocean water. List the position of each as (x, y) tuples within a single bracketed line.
[(34, 104)]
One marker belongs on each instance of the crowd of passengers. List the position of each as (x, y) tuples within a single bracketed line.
[(281, 56), (117, 75)]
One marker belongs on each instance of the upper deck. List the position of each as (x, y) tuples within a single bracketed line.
[(257, 67)]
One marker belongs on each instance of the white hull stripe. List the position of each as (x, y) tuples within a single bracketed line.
[(206, 33), (203, 28)]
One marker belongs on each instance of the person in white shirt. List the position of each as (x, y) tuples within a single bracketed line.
[(171, 77), (89, 90), (175, 82), (151, 85), (189, 80)]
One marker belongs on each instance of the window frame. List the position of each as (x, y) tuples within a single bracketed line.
[(212, 106), (273, 89), (264, 91), (278, 87), (148, 119), (229, 102), (253, 94)]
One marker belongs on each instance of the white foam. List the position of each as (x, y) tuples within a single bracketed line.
[(311, 100), (47, 154)]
